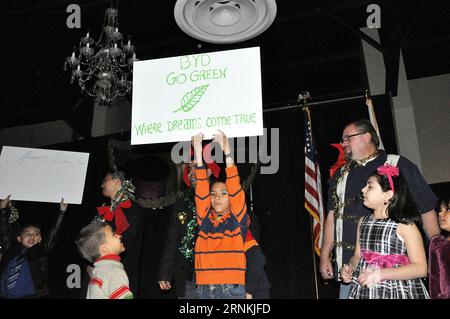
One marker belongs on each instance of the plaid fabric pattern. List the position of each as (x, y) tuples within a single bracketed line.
[(380, 236)]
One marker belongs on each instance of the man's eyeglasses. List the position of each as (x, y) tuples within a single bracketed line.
[(346, 138)]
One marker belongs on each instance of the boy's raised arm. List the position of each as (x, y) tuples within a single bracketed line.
[(202, 197), (236, 194)]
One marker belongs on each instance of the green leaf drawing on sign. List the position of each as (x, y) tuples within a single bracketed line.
[(191, 98)]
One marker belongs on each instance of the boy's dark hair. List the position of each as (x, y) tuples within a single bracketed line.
[(364, 126), (213, 180), (222, 178), (402, 207), (89, 240), (119, 173), (26, 225)]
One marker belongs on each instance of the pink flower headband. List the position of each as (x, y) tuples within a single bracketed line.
[(389, 171)]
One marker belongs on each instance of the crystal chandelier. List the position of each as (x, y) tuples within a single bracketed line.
[(103, 69)]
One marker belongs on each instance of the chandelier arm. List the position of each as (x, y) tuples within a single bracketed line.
[(101, 33), (90, 71), (122, 66), (97, 56), (85, 89), (87, 77), (119, 66), (114, 96)]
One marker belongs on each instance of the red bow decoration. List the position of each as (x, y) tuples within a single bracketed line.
[(389, 171), (213, 166), (340, 161), (249, 236), (249, 241), (118, 215)]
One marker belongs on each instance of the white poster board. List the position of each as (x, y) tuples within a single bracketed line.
[(178, 97), (41, 175)]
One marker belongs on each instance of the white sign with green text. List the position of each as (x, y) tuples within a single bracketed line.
[(176, 98)]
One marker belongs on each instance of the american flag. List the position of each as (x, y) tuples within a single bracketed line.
[(313, 187)]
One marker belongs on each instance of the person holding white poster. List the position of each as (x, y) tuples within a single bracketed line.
[(220, 263), (176, 268), (24, 267)]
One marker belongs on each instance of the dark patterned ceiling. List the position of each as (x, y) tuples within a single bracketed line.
[(312, 45)]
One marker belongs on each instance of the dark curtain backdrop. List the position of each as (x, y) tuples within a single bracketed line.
[(285, 226), (278, 203)]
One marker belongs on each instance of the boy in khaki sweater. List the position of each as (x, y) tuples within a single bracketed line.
[(98, 244)]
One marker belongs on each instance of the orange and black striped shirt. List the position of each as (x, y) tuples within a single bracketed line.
[(219, 249)]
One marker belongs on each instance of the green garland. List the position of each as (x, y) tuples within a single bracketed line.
[(338, 204), (125, 193), (188, 242)]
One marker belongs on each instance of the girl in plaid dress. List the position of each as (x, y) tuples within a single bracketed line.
[(389, 257)]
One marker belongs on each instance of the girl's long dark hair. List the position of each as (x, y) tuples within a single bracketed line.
[(402, 207)]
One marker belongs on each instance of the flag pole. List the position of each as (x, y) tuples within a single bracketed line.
[(372, 117), (304, 96), (313, 256)]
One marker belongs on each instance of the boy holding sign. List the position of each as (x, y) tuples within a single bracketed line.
[(222, 217), (24, 268)]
